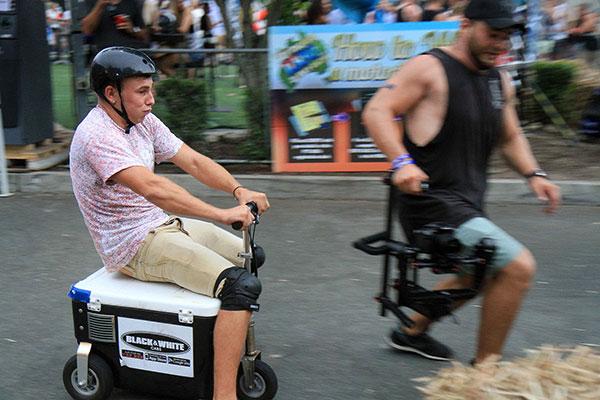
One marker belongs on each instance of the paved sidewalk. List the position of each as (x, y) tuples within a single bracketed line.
[(323, 187)]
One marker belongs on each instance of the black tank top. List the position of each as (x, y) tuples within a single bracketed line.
[(456, 159)]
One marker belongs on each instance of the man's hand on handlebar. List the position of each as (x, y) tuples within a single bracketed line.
[(409, 179), (246, 196), (239, 213)]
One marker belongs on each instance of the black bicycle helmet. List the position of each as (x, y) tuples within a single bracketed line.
[(112, 65)]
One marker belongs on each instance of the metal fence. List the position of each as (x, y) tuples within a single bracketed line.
[(212, 68), (227, 119), (216, 74)]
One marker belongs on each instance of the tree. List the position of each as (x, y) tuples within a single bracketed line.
[(254, 66)]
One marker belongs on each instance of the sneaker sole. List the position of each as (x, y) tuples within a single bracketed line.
[(412, 350)]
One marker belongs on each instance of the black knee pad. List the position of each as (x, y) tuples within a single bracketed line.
[(240, 291)]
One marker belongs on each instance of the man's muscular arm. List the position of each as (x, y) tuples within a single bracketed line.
[(517, 152), (397, 96)]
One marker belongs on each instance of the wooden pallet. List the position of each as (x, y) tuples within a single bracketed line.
[(42, 155)]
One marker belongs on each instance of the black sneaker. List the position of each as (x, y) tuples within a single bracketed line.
[(422, 344)]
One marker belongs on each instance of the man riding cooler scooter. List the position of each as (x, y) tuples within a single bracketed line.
[(134, 215)]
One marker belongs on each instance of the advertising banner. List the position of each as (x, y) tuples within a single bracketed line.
[(321, 76)]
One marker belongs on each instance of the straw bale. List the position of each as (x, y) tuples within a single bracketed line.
[(546, 373)]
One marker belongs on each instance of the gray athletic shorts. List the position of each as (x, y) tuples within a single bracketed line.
[(475, 229)]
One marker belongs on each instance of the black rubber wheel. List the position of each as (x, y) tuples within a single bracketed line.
[(265, 383), (100, 379)]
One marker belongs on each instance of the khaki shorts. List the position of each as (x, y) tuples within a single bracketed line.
[(188, 252)]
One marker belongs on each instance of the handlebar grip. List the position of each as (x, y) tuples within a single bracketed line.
[(237, 225), (364, 244), (253, 207), (387, 180)]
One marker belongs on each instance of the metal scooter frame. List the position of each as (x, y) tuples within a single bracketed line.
[(433, 304), (252, 353), (83, 355)]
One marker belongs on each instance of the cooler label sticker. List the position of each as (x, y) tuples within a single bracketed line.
[(156, 346)]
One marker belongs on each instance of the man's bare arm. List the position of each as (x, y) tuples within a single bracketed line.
[(204, 169), (396, 97), (215, 176), (517, 152), (90, 22), (174, 199), (513, 145)]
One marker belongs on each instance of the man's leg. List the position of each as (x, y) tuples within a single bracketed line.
[(222, 242), (512, 267), (501, 302), (239, 291), (422, 323), (229, 338), (171, 255), (416, 339), (502, 298)]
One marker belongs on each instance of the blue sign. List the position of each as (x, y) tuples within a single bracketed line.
[(348, 56)]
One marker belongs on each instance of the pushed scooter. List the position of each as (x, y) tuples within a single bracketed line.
[(156, 338), (434, 248)]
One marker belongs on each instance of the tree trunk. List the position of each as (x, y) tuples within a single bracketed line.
[(254, 71), (228, 30), (253, 66), (250, 63)]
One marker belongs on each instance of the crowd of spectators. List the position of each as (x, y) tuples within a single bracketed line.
[(565, 32), (58, 27), (155, 24), (387, 11), (566, 37), (192, 23)]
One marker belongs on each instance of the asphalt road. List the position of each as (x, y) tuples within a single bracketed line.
[(318, 327)]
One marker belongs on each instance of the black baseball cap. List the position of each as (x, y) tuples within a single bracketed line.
[(496, 13)]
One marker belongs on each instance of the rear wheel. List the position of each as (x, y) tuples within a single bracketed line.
[(264, 384), (100, 379)]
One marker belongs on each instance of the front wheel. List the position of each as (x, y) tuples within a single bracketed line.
[(100, 379), (264, 384)]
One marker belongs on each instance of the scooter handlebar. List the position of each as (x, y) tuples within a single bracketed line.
[(237, 225), (365, 244)]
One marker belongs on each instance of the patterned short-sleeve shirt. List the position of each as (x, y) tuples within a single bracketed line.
[(118, 218)]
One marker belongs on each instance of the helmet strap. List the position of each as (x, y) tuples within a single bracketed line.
[(123, 111)]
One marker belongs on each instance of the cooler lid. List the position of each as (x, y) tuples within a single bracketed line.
[(117, 289)]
